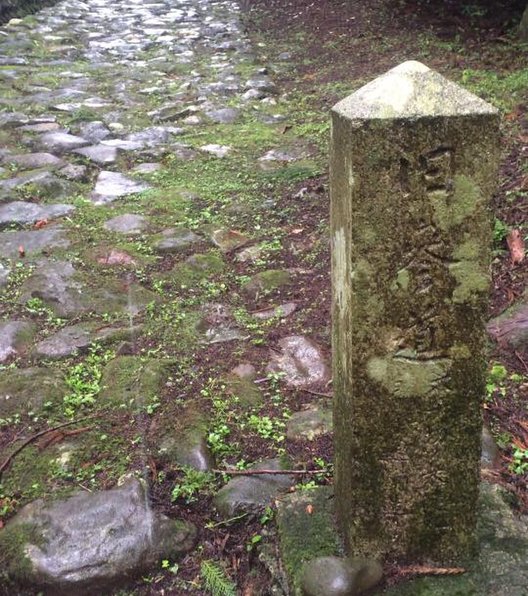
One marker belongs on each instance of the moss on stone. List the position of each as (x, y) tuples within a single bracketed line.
[(133, 381), (266, 281), (14, 562), (303, 535)]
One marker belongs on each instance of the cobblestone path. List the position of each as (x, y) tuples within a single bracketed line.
[(139, 145)]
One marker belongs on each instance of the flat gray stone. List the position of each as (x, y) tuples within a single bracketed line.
[(76, 339), (147, 168), (58, 285), (112, 185), (99, 154), (216, 150), (511, 327), (61, 142), (95, 539), (279, 312), (74, 172), (128, 223), (153, 136), (41, 127), (218, 325), (40, 182), (188, 448), (251, 494), (28, 389), (94, 131), (175, 240), (4, 275), (301, 361), (15, 337), (339, 576), (12, 119), (35, 160), (32, 242), (223, 115), (310, 423), (123, 144), (23, 213)]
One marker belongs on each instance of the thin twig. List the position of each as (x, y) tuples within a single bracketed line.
[(521, 360), (8, 460), (426, 570), (271, 472), (318, 393)]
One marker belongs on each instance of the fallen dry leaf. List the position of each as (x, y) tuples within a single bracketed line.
[(516, 245), (309, 509), (41, 223)]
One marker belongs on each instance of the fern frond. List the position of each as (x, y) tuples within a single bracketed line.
[(216, 581)]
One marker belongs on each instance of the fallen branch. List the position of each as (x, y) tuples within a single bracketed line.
[(426, 570), (60, 436), (34, 437), (271, 472), (318, 393)]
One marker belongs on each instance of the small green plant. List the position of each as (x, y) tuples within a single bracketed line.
[(193, 481), (83, 380), (519, 464), (496, 377), (500, 231), (171, 567), (216, 580)]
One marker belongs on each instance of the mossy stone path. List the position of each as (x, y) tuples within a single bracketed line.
[(140, 142)]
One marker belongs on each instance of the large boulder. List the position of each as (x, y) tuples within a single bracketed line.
[(90, 541)]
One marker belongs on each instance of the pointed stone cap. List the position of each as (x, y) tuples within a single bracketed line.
[(411, 91)]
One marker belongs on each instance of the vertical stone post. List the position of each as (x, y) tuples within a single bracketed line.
[(413, 164)]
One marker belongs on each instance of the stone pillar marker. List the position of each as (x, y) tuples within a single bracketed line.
[(414, 161)]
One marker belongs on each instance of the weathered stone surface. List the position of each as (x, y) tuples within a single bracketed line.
[(501, 568), (265, 282), (306, 530), (511, 327), (73, 172), (59, 287), (223, 115), (218, 325), (4, 275), (61, 142), (133, 381), (15, 337), (94, 131), (128, 223), (216, 150), (490, 455), (33, 241), (35, 160), (337, 576), (28, 389), (99, 154), (112, 185), (147, 168), (280, 312), (228, 240), (22, 213), (251, 494), (119, 533), (175, 240), (39, 182), (301, 361), (310, 423), (407, 341), (76, 339), (188, 448)]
